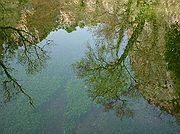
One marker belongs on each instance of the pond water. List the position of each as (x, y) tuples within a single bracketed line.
[(82, 67)]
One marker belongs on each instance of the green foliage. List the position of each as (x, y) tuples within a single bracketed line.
[(81, 24), (106, 80), (82, 3), (70, 29), (23, 1), (172, 53)]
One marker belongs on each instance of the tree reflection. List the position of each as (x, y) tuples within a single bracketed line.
[(33, 57), (108, 83), (10, 85), (17, 41), (104, 70)]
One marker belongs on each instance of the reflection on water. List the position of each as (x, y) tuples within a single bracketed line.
[(113, 69)]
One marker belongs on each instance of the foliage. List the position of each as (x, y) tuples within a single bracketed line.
[(44, 17), (82, 3), (23, 1), (172, 54), (106, 80)]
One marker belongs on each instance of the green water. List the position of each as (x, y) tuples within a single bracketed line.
[(71, 67)]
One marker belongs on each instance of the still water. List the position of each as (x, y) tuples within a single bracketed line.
[(89, 67), (62, 104)]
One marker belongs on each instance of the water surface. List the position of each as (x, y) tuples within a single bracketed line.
[(89, 67)]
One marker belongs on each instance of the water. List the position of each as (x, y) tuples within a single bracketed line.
[(74, 81), (63, 106)]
